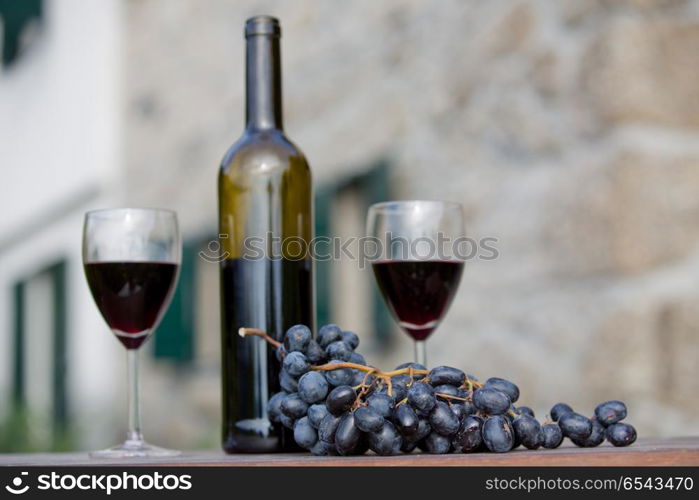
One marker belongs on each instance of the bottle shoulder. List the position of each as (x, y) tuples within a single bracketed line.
[(262, 149)]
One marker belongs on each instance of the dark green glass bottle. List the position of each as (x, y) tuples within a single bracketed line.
[(265, 226)]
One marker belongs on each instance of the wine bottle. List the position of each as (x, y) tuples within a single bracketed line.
[(265, 227)]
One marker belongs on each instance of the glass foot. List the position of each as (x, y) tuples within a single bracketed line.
[(134, 449)]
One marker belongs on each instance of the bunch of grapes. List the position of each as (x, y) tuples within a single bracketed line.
[(336, 404)]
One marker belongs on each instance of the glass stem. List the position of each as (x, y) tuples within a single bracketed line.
[(134, 432), (420, 352)]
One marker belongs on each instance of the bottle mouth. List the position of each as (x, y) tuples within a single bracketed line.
[(262, 25)]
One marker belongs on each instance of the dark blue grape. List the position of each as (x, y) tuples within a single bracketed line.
[(458, 409), (443, 420), (423, 429), (469, 408), (399, 389), (296, 364), (314, 353), (403, 380), (575, 425), (446, 375), (595, 438), (405, 420), (558, 410), (340, 376), (448, 390), (524, 410), (351, 339), (293, 406), (505, 386), (408, 446), (322, 449), (274, 407), (621, 434), (287, 421), (287, 382), (357, 378), (416, 366), (280, 352), (381, 403), (421, 396), (340, 399), (516, 443), (316, 414), (327, 428), (304, 434), (357, 359), (339, 350), (437, 444), (347, 435), (469, 437), (313, 387), (491, 401), (551, 436), (610, 412), (297, 338), (528, 431), (329, 334), (498, 435), (362, 446), (385, 442), (367, 419)]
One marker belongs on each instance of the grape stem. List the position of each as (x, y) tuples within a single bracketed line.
[(369, 370), (447, 396), (245, 332)]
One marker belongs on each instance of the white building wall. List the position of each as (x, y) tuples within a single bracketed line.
[(59, 152)]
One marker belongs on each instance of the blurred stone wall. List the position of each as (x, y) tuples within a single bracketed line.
[(569, 129)]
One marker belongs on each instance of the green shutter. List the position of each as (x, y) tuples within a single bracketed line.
[(18, 362), (374, 186), (174, 338), (323, 269), (60, 364), (16, 15)]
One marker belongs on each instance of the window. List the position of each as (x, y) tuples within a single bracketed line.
[(175, 336), (39, 359), (18, 18), (189, 331), (345, 296)]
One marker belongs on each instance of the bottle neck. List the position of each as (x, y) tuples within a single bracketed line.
[(263, 83)]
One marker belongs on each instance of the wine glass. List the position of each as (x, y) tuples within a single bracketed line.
[(418, 263), (132, 259)]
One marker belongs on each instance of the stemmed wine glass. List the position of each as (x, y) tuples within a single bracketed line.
[(418, 264), (132, 259)]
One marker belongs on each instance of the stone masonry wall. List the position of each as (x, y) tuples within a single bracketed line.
[(569, 129)]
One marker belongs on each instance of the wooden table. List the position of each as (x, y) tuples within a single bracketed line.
[(656, 452)]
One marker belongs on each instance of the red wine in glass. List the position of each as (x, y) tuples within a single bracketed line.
[(419, 262), (418, 293), (131, 296), (131, 258)]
